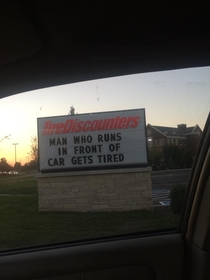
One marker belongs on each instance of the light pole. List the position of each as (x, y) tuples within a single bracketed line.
[(15, 150)]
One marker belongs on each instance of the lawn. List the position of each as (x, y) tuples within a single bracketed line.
[(22, 225)]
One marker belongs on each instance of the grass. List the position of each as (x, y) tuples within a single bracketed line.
[(15, 184), (22, 225)]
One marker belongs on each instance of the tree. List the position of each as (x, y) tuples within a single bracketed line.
[(71, 111), (34, 149), (154, 156), (17, 166), (187, 159), (173, 156), (30, 166), (4, 166)]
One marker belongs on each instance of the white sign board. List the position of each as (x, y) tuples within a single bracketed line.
[(92, 141)]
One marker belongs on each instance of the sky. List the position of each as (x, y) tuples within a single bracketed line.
[(169, 98)]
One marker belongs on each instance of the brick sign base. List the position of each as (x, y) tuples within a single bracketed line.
[(108, 190)]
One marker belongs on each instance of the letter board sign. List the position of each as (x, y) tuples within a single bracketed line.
[(92, 141)]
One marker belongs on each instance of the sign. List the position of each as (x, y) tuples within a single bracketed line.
[(92, 141)]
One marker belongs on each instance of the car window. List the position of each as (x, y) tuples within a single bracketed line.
[(99, 158)]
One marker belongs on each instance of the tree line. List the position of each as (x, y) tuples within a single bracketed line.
[(30, 166), (169, 157), (5, 167)]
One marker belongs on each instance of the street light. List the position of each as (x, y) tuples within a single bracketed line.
[(15, 150), (5, 137)]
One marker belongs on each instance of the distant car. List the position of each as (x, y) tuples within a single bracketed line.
[(12, 172)]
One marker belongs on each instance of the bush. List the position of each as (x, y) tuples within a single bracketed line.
[(177, 197)]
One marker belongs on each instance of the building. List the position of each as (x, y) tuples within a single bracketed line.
[(182, 136)]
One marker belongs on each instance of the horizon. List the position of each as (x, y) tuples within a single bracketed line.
[(169, 98)]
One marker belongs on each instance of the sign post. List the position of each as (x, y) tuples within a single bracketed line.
[(94, 162)]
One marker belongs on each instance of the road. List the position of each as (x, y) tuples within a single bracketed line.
[(164, 181)]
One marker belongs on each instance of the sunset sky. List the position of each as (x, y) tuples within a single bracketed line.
[(169, 98)]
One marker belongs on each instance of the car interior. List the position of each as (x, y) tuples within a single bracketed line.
[(52, 43)]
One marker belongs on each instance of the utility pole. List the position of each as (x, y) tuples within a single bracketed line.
[(15, 150)]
